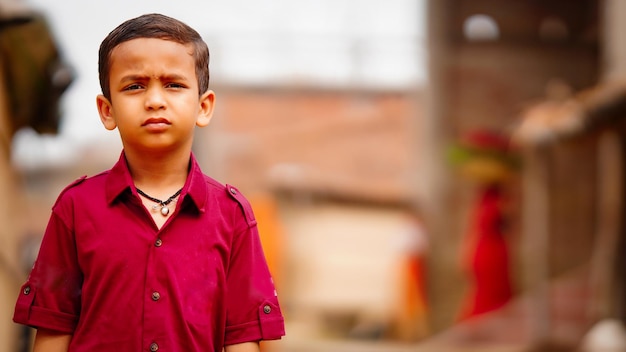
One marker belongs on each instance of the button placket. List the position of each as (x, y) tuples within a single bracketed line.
[(152, 293)]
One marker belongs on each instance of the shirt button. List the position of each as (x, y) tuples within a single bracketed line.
[(154, 347), (233, 191), (156, 296), (158, 242), (267, 309), (26, 290)]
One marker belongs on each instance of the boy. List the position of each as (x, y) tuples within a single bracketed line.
[(151, 255)]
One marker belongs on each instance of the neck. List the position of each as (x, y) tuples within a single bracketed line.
[(159, 175)]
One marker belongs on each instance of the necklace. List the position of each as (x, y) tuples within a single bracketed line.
[(162, 203)]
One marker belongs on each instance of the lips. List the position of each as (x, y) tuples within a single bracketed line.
[(156, 125), (156, 121)]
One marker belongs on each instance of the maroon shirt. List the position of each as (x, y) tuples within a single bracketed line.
[(107, 275)]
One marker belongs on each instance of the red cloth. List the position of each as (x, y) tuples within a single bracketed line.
[(106, 274), (488, 262)]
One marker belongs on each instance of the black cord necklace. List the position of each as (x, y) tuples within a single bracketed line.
[(162, 203)]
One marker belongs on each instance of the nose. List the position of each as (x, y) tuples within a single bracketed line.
[(154, 98)]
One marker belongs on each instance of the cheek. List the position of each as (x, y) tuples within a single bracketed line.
[(124, 112)]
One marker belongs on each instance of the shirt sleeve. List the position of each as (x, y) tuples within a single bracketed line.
[(50, 298), (252, 309)]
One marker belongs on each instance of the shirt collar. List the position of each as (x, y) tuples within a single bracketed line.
[(195, 186), (119, 180)]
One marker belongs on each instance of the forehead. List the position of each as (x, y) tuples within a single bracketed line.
[(151, 54)]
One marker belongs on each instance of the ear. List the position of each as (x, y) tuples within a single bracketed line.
[(105, 109), (207, 105)]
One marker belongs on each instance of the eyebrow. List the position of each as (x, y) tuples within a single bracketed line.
[(167, 77)]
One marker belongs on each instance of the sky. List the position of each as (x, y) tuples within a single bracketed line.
[(334, 43)]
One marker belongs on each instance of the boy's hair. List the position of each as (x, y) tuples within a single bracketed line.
[(154, 26)]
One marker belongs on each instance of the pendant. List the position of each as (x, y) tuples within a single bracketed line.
[(165, 210)]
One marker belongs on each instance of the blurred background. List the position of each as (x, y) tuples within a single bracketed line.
[(428, 175)]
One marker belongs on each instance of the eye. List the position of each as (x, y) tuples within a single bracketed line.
[(133, 86), (175, 85)]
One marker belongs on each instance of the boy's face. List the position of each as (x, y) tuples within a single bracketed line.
[(154, 95)]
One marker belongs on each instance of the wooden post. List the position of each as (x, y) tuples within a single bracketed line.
[(608, 212), (536, 238)]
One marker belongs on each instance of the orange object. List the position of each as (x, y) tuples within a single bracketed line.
[(270, 231), (412, 308), (271, 235)]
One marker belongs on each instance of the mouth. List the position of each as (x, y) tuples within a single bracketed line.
[(156, 121), (156, 125)]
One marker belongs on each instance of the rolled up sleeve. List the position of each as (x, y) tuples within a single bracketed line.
[(50, 298), (253, 311)]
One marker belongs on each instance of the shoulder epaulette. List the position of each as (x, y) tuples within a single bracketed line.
[(71, 185), (243, 202)]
